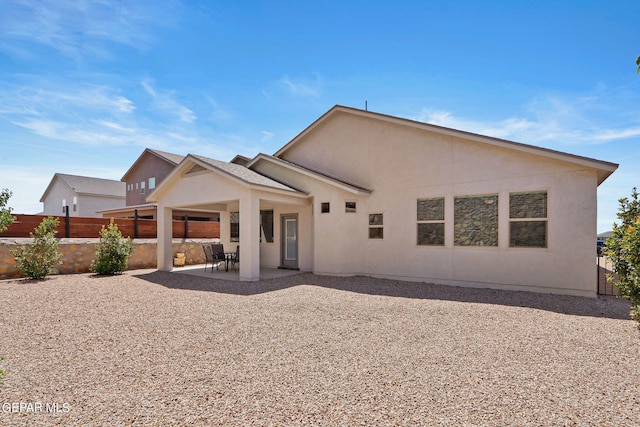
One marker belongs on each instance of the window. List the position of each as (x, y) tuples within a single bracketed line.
[(75, 204), (235, 226), (376, 229), (136, 185), (350, 207), (142, 187), (64, 205), (475, 220), (324, 207), (528, 219), (152, 184), (266, 226), (430, 216)]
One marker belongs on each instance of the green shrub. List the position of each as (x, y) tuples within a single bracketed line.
[(623, 248), (40, 258), (5, 213), (112, 252)]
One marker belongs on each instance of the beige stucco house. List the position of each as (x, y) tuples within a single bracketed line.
[(83, 195), (359, 192)]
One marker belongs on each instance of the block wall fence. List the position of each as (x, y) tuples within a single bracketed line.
[(77, 254)]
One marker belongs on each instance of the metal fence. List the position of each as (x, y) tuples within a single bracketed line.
[(606, 276)]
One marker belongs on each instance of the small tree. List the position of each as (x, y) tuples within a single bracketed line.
[(40, 258), (112, 252), (623, 248), (5, 213)]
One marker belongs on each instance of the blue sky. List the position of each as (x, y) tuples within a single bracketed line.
[(85, 85)]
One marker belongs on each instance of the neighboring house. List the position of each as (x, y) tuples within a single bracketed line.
[(83, 195), (601, 240), (359, 192), (151, 167)]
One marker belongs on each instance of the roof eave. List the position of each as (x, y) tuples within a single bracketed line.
[(305, 171), (600, 165)]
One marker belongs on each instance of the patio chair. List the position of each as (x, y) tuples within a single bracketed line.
[(236, 258), (208, 257), (218, 255)]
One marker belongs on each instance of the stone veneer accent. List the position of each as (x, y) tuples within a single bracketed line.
[(77, 254), (476, 220)]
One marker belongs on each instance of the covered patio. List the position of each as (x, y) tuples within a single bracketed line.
[(268, 221)]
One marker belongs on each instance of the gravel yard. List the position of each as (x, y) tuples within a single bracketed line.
[(154, 348)]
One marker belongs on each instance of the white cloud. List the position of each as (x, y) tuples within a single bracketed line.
[(77, 28), (219, 114), (266, 136), (302, 88), (548, 119), (37, 99), (165, 101)]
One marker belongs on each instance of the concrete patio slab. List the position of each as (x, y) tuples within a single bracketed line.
[(200, 271)]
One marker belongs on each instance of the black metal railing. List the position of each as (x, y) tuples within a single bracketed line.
[(606, 276)]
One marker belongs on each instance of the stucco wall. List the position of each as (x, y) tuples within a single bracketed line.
[(87, 205), (148, 166), (77, 254), (52, 204), (402, 164)]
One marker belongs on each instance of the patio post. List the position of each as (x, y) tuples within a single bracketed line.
[(165, 239), (249, 237)]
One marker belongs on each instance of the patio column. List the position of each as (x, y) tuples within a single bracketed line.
[(225, 230), (165, 239), (249, 237)]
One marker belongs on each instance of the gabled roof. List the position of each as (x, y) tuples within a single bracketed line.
[(240, 160), (172, 159), (89, 186), (309, 172), (236, 172), (604, 168), (244, 174)]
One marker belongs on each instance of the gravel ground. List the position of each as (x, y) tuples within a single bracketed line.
[(155, 348)]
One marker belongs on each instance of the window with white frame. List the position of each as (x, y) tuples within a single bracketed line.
[(430, 217), (266, 226), (152, 183), (142, 185), (234, 219), (75, 204), (528, 219), (350, 207), (376, 226)]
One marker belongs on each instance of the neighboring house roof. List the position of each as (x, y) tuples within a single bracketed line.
[(171, 158), (309, 172), (604, 168), (605, 235), (89, 186)]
